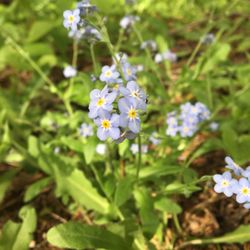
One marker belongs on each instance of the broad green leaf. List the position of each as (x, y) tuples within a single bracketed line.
[(145, 204), (240, 235), (81, 189), (5, 181), (36, 188), (89, 150), (39, 29), (167, 205), (124, 190), (17, 236), (79, 236)]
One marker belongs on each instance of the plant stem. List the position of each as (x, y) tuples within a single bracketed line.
[(92, 52), (139, 159), (177, 224)]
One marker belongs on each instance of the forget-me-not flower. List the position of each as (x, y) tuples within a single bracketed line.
[(233, 166), (86, 130), (242, 190), (133, 92), (71, 19), (224, 183), (129, 72), (128, 21), (109, 74), (108, 126), (129, 115), (100, 101)]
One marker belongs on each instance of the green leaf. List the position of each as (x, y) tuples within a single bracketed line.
[(124, 190), (17, 236), (81, 189), (89, 150), (148, 215), (240, 235), (79, 236), (33, 146), (36, 188), (39, 29), (5, 181), (167, 205)]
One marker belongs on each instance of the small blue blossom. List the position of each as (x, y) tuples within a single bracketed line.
[(109, 74), (128, 21), (242, 190), (120, 57), (154, 138), (133, 92), (208, 38), (69, 71), (149, 44), (100, 101), (71, 19), (129, 115), (214, 126), (85, 7), (129, 72), (86, 130), (108, 126), (246, 172), (187, 129), (225, 184), (233, 166), (165, 56)]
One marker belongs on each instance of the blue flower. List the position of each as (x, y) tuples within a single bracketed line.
[(233, 166), (187, 129), (247, 205), (153, 138), (225, 184), (172, 123), (150, 44), (128, 21), (120, 57), (242, 190), (71, 19), (214, 126), (129, 72), (100, 101), (69, 71), (86, 130), (85, 7), (133, 92), (108, 126), (165, 56), (129, 115), (109, 74), (208, 38), (246, 172)]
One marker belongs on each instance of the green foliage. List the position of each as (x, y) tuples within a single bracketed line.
[(17, 236), (79, 236)]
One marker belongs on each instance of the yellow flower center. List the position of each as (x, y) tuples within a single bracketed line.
[(108, 73), (132, 113), (106, 124), (129, 72), (186, 129), (135, 94), (71, 18), (100, 102), (225, 183), (245, 191), (116, 87)]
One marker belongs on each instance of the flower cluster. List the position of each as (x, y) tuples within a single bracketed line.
[(187, 121), (79, 27), (165, 56), (236, 181), (86, 130), (116, 108)]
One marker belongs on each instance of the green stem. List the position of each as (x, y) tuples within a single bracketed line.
[(177, 224), (92, 51), (139, 159), (210, 94), (197, 48)]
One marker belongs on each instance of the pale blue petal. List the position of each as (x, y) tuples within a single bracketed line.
[(114, 133), (134, 126), (102, 134)]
